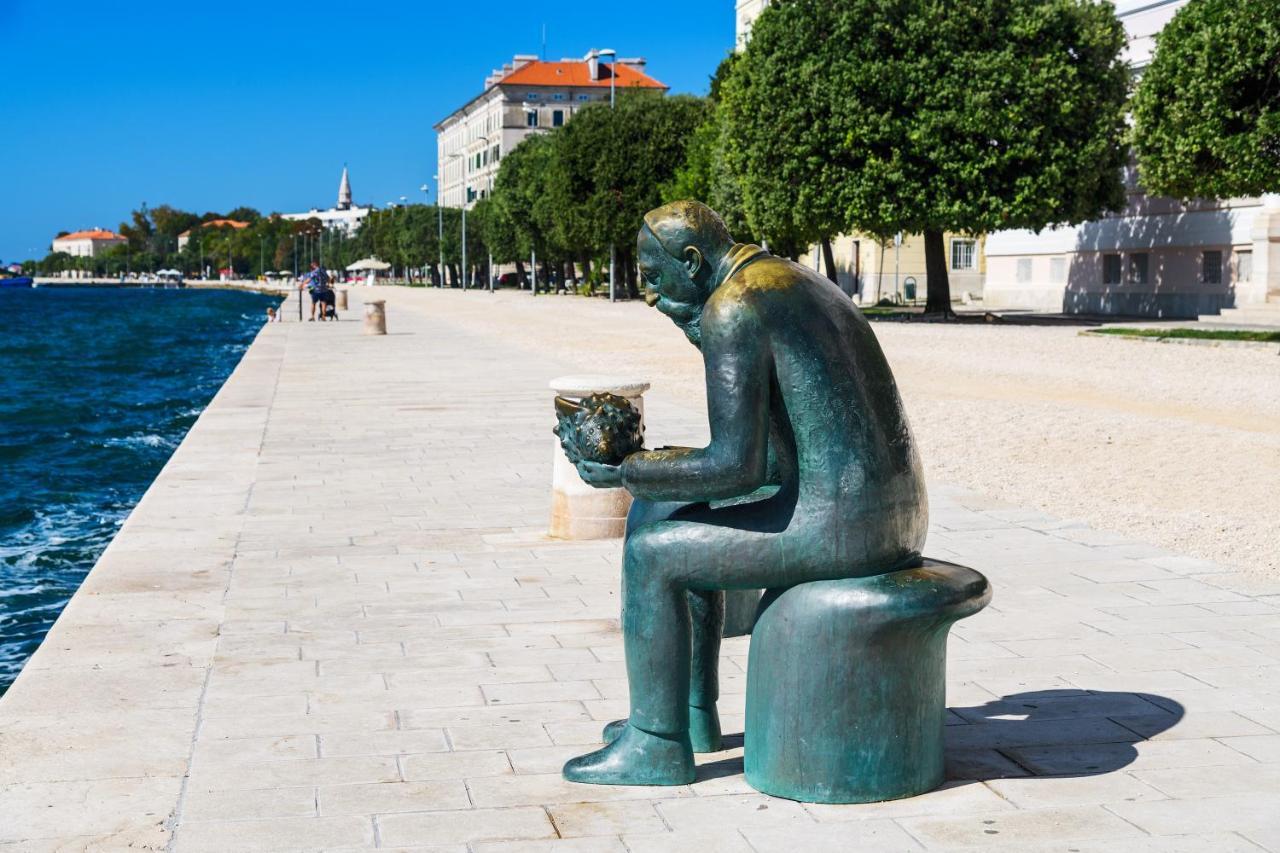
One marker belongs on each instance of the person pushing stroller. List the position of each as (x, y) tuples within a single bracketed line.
[(317, 284)]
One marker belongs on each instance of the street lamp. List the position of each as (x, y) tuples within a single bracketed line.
[(407, 278), (439, 224), (489, 169), (613, 91), (452, 157)]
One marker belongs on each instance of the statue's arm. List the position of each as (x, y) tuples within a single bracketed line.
[(736, 461)]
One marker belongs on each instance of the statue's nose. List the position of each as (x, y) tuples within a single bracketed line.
[(650, 297)]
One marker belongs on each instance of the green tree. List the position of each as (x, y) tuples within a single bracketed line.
[(703, 173), (926, 116), (1206, 113), (609, 166), (244, 214)]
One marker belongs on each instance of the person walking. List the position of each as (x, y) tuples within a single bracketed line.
[(317, 284)]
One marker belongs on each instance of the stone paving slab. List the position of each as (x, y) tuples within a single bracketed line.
[(334, 623)]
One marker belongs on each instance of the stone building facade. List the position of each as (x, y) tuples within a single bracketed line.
[(87, 244), (526, 95), (1158, 257)]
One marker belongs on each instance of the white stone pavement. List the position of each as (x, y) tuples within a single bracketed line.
[(333, 623)]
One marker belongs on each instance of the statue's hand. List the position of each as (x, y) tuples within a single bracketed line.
[(600, 475)]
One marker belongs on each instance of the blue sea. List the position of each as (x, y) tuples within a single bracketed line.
[(97, 388)]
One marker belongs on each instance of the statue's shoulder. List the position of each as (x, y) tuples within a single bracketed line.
[(766, 275)]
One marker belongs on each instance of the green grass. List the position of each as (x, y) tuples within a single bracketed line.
[(1199, 334)]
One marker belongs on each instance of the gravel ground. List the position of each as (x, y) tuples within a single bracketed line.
[(1177, 446)]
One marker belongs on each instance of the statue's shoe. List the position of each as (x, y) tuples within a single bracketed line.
[(704, 730), (635, 757)]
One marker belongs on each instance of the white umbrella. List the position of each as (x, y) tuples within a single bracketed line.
[(368, 264)]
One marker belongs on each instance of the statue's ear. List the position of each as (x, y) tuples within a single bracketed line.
[(693, 261)]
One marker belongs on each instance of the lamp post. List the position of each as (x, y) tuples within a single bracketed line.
[(489, 269), (403, 201), (452, 157), (439, 225), (613, 92)]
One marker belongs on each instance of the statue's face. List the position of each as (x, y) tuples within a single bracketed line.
[(670, 285)]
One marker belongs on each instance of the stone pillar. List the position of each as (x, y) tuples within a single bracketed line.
[(342, 300), (580, 511), (375, 317)]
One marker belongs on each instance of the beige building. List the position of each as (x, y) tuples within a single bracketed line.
[(870, 270), (1158, 257), (87, 244), (525, 96)]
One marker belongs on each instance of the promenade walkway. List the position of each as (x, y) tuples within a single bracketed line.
[(334, 623)]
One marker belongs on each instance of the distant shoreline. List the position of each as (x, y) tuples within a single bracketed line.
[(273, 288)]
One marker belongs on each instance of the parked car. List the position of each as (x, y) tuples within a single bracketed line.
[(508, 279)]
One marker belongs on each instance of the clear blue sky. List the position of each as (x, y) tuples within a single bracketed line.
[(210, 105)]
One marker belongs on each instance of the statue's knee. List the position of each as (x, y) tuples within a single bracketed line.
[(642, 560)]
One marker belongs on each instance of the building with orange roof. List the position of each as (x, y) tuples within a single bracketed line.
[(88, 243), (185, 236), (527, 95)]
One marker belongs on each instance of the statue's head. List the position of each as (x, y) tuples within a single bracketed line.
[(680, 249)]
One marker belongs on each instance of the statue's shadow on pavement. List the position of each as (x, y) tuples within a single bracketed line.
[(1039, 733)]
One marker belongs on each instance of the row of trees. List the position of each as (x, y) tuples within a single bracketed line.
[(406, 236), (871, 116), (911, 116)]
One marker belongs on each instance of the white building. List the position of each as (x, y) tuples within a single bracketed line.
[(525, 96), (344, 216), (87, 244), (1158, 257), (745, 16)]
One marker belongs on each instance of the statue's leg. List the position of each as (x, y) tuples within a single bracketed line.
[(654, 747), (706, 609)]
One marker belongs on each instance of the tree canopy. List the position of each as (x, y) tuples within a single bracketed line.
[(925, 116), (1206, 112)]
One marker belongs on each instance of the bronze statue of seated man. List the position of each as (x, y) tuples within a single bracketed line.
[(800, 399)]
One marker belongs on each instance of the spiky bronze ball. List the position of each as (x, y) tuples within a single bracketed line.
[(602, 428)]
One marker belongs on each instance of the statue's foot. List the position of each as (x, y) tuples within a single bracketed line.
[(635, 757), (704, 729)]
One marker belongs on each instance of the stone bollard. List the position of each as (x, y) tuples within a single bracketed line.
[(375, 317), (342, 300), (580, 511)]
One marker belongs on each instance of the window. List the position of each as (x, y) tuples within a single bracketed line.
[(1024, 270), (1110, 269), (531, 118), (558, 96), (531, 96), (584, 97), (1058, 270), (1244, 266), (1211, 267), (557, 118), (495, 154), (1138, 268), (962, 254)]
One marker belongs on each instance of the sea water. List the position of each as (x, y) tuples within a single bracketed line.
[(97, 388)]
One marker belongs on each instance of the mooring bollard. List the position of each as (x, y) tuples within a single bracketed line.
[(342, 300), (375, 317), (579, 511)]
